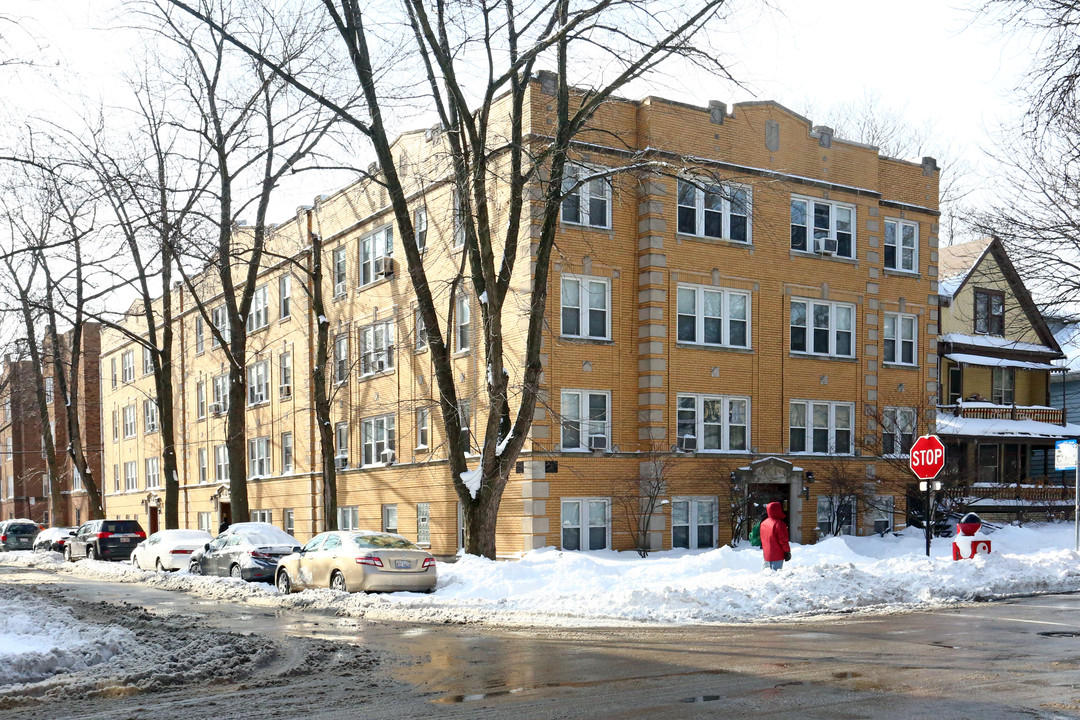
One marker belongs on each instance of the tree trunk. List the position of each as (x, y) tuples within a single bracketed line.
[(163, 358), (321, 396)]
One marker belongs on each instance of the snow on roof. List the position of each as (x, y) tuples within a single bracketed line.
[(993, 341), (1068, 337), (956, 261), (948, 424), (984, 361)]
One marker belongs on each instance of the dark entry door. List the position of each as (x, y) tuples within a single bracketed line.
[(761, 494)]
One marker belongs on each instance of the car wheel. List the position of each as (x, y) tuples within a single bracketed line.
[(284, 583), (91, 553), (67, 554), (194, 569), (135, 562), (337, 582), (158, 566), (234, 571)]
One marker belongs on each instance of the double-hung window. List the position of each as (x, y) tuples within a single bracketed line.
[(421, 332), (989, 312), (259, 314), (200, 400), (714, 211), (378, 439), (586, 523), (220, 385), (694, 522), (112, 366), (348, 519), (150, 416), (823, 227), (340, 272), (713, 423), (377, 348), (899, 334), (586, 303), (586, 200), (286, 452), (219, 316), (49, 390), (901, 245), (376, 254), (115, 427), (221, 463), (823, 328), (462, 320), (147, 361), (586, 419), (823, 428), (258, 382), (200, 336), (459, 221), (127, 365), (341, 445), (285, 375), (420, 229), (897, 431), (341, 357), (1003, 386), (259, 457), (465, 421), (204, 467), (153, 473), (712, 316), (284, 297), (422, 428), (263, 516), (129, 421), (131, 476)]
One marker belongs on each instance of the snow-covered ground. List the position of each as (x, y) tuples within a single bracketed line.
[(550, 587)]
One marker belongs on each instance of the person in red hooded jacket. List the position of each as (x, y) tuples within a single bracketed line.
[(774, 537)]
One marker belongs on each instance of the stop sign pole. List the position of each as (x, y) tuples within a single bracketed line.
[(926, 459)]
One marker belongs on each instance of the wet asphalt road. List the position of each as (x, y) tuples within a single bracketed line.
[(1016, 658)]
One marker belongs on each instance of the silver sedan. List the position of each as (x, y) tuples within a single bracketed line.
[(358, 561)]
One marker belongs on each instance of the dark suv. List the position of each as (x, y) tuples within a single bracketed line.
[(17, 534), (104, 540)]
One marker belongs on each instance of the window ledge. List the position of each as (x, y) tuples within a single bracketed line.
[(252, 406), (815, 356), (576, 340), (566, 224), (285, 398), (375, 375), (285, 319), (377, 281), (899, 366), (833, 258), (719, 348), (913, 274), (462, 353), (256, 331), (726, 242)]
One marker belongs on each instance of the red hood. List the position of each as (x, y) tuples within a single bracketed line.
[(774, 511)]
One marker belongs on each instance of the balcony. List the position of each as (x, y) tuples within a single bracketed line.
[(990, 411)]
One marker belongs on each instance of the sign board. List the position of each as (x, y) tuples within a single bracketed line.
[(1065, 455), (927, 457)]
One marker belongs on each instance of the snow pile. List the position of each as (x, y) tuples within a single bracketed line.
[(39, 640)]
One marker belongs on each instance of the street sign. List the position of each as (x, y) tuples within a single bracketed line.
[(1065, 455), (927, 457)]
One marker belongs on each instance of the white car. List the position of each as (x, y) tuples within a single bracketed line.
[(168, 549)]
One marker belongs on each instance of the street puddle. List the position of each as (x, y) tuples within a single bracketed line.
[(702, 699), (474, 697)]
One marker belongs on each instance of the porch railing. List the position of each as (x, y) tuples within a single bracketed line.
[(1056, 416)]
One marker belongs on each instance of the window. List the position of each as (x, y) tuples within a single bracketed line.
[(131, 478), (200, 400), (263, 516), (716, 211), (153, 473), (711, 316), (204, 522), (49, 390), (115, 425), (150, 416), (586, 523), (988, 463), (76, 479), (1003, 386), (200, 340), (258, 381), (459, 221), (116, 478), (129, 421), (341, 357), (585, 303), (376, 254), (713, 423), (341, 444), (420, 228), (421, 332), (378, 438), (956, 384), (897, 431), (341, 277), (204, 469), (220, 385), (423, 523), (147, 361), (377, 348), (127, 365), (287, 521), (902, 245), (899, 333), (829, 431), (348, 518), (823, 328), (258, 457), (823, 227), (422, 429), (219, 316), (585, 420), (694, 522), (285, 375), (836, 515), (259, 314), (112, 365), (461, 321), (989, 312), (586, 201), (221, 463), (284, 297), (465, 419), (390, 519), (286, 452)]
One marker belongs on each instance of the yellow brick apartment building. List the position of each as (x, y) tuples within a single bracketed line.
[(743, 308)]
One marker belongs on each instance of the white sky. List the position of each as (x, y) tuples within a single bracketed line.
[(929, 59)]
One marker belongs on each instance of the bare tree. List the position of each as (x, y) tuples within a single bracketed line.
[(637, 499)]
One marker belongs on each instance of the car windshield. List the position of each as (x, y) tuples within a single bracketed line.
[(120, 526), (22, 529), (383, 541)]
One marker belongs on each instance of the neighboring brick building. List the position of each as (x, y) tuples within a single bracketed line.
[(22, 487), (758, 318)]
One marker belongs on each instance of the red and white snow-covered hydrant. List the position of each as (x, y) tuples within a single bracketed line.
[(968, 541)]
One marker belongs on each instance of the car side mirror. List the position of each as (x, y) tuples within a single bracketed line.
[(71, 533), (298, 549), (206, 546)]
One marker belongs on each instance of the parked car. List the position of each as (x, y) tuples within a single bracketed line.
[(248, 550), (358, 560), (104, 540), (169, 549), (54, 538), (18, 534)]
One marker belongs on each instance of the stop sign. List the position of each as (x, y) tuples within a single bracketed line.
[(927, 457)]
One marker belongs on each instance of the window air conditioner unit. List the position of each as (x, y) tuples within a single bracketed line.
[(598, 442), (688, 443), (388, 267), (826, 246), (217, 409), (388, 456), (286, 391), (340, 463)]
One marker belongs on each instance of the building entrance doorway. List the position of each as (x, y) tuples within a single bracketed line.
[(152, 520)]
